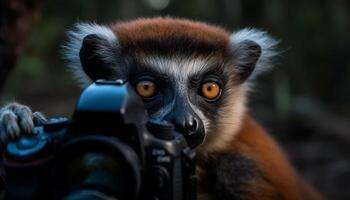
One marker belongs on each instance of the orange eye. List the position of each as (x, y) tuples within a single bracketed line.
[(211, 90), (146, 89)]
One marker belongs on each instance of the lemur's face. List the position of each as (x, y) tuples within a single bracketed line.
[(188, 91), (188, 73)]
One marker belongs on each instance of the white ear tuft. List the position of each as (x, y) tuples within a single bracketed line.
[(267, 44), (71, 49)]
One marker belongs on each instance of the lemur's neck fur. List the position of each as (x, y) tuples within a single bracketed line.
[(264, 173)]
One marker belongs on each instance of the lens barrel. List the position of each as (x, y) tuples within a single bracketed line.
[(100, 163)]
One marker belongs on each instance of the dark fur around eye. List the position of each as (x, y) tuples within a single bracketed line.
[(145, 77), (196, 82)]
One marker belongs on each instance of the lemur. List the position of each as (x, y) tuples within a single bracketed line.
[(197, 76)]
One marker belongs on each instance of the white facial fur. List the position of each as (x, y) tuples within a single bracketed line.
[(181, 68)]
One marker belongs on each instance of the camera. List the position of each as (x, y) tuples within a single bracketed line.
[(107, 150)]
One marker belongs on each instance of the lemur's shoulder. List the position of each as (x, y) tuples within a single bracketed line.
[(257, 167), (256, 144)]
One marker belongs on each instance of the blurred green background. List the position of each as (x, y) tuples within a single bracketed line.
[(304, 101)]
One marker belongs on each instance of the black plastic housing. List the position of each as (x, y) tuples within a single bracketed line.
[(104, 151)]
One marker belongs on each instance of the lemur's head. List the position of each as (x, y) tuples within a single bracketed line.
[(190, 73)]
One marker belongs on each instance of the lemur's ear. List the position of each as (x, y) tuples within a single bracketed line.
[(92, 52), (97, 56), (253, 52)]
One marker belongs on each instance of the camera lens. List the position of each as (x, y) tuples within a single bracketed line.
[(100, 165), (99, 171)]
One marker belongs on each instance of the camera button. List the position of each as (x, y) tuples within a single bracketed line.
[(27, 142), (163, 130), (28, 146)]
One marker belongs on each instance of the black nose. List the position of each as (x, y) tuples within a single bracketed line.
[(192, 129), (186, 125), (191, 124)]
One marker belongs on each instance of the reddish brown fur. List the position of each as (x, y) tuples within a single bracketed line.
[(280, 179), (168, 34)]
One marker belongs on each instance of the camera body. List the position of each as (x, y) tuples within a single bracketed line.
[(108, 150)]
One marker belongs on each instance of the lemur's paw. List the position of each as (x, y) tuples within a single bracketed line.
[(17, 119)]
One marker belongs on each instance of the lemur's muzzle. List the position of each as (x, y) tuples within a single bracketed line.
[(187, 122)]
